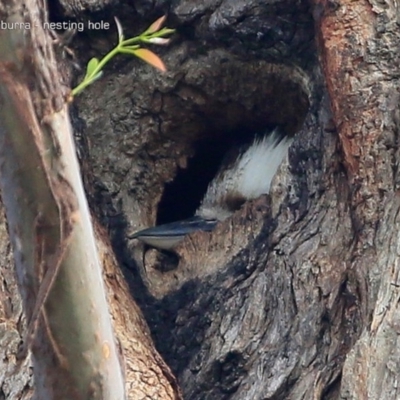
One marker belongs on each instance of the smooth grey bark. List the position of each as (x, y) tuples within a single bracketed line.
[(69, 329)]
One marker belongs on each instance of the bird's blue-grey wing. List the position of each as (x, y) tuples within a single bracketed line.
[(167, 236)]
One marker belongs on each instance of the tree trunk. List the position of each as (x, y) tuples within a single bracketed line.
[(295, 296), (69, 331)]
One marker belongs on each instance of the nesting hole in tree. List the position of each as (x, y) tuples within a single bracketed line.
[(183, 195), (226, 121)]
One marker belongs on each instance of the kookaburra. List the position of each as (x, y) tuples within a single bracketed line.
[(246, 178)]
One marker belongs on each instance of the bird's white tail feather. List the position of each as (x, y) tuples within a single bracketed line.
[(258, 165), (249, 177)]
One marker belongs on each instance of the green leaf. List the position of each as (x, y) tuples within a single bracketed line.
[(91, 67), (97, 76), (132, 47), (165, 31)]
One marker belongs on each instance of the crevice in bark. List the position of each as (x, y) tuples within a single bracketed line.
[(219, 127), (183, 195)]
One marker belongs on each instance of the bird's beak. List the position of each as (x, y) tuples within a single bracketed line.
[(167, 236)]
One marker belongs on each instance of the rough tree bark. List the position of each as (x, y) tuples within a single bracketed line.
[(295, 297), (69, 330)]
